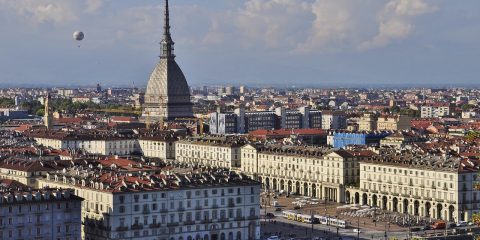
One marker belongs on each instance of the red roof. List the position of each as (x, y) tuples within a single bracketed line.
[(68, 120), (122, 119)]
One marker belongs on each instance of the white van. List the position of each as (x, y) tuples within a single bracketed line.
[(275, 204)]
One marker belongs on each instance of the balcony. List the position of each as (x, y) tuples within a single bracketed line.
[(214, 206), (189, 222), (427, 198), (137, 227), (198, 208), (206, 221), (230, 204), (163, 210), (180, 209), (172, 224), (122, 228), (253, 218), (239, 218), (146, 211), (154, 225), (374, 191), (224, 219)]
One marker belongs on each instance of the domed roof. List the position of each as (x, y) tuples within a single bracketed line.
[(167, 80)]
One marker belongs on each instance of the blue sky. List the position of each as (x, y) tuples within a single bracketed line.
[(254, 42)]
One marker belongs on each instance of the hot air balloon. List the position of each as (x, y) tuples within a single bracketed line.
[(78, 36)]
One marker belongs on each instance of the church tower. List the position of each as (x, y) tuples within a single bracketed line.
[(168, 95), (47, 115)]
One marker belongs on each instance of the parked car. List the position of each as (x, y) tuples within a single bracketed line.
[(273, 238), (438, 225), (462, 224), (270, 215), (428, 227), (278, 209)]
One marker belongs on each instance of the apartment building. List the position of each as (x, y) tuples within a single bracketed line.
[(158, 146), (28, 171), (40, 214), (242, 122), (317, 172), (435, 110), (334, 120), (219, 152), (193, 204), (394, 123), (367, 122), (418, 184), (89, 141)]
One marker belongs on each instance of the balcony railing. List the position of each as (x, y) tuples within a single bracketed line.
[(189, 222), (172, 224), (122, 228), (224, 219), (137, 226), (163, 210), (154, 225), (239, 218)]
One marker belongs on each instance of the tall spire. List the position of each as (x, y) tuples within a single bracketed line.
[(167, 43)]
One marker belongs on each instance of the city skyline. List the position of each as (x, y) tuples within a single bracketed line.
[(278, 43)]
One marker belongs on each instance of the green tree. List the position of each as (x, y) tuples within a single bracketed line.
[(40, 112), (6, 102), (472, 135)]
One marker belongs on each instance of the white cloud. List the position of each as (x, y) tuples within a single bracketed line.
[(273, 23), (41, 11), (396, 21), (333, 23), (92, 6)]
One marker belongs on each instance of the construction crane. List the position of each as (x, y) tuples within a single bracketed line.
[(147, 121)]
